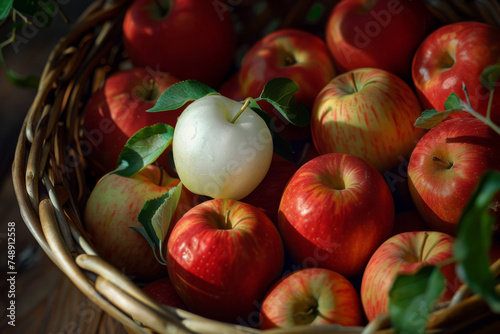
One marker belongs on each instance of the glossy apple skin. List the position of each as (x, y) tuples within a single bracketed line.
[(454, 54), (112, 208), (381, 34), (332, 203), (267, 195), (400, 254), (117, 110), (445, 167), (162, 291), (193, 40), (289, 53), (323, 291), (221, 270), (372, 119)]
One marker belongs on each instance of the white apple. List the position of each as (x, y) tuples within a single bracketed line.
[(218, 153)]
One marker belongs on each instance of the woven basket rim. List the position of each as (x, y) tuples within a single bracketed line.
[(52, 213)]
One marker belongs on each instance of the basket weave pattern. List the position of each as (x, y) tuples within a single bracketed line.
[(51, 185)]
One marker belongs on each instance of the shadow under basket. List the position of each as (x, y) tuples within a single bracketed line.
[(51, 186)]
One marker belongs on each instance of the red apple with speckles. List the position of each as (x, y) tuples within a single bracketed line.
[(369, 113), (191, 39), (223, 255), (287, 53), (445, 167), (334, 213), (311, 296), (453, 55), (162, 291), (405, 253), (267, 195), (112, 209), (117, 110), (377, 33)]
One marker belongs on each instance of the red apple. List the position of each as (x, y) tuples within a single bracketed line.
[(405, 253), (311, 296), (223, 255), (335, 211), (112, 209), (381, 34), (289, 53), (445, 167), (369, 113), (453, 55), (267, 195), (163, 292), (117, 110), (192, 39), (231, 88)]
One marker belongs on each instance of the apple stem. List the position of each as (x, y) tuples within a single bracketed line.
[(353, 82), (447, 165), (421, 252), (151, 90), (245, 105), (226, 219)]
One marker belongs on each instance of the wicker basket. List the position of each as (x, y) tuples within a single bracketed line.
[(50, 184)]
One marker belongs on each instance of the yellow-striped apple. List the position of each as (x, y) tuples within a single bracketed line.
[(377, 33), (117, 110), (191, 39), (445, 167), (223, 255), (405, 253), (453, 55), (311, 296), (220, 152), (334, 213), (112, 209), (288, 53), (367, 112)]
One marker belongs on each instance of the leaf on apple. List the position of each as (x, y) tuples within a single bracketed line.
[(280, 93), (155, 217), (412, 297), (490, 76), (281, 146), (473, 240), (431, 118), (5, 7), (452, 103), (143, 148), (181, 93)]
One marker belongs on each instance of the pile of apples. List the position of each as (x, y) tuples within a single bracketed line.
[(260, 240)]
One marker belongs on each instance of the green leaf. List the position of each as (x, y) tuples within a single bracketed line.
[(143, 148), (280, 93), (181, 93), (156, 215), (412, 298), (431, 118), (452, 102), (34, 7), (5, 8), (280, 145), (473, 240), (490, 76)]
